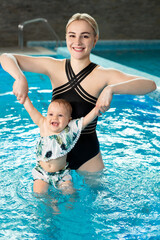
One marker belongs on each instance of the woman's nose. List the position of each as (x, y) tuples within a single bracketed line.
[(78, 40)]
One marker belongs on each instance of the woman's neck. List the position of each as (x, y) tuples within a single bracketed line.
[(79, 64)]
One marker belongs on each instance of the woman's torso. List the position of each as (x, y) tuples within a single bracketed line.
[(92, 84), (83, 97)]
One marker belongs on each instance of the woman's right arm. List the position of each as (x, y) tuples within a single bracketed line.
[(10, 65), (16, 64)]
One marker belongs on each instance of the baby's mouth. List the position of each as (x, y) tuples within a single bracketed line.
[(55, 124)]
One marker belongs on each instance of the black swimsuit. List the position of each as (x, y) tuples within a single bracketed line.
[(82, 103)]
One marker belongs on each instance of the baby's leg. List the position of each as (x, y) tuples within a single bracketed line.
[(66, 187), (40, 186), (40, 177)]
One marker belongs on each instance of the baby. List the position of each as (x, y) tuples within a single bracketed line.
[(58, 135)]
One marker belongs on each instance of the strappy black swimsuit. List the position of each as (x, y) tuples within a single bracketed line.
[(82, 103)]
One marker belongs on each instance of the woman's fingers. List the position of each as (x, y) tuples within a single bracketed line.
[(22, 99), (103, 106), (20, 90), (104, 100)]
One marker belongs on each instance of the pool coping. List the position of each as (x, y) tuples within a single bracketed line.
[(32, 50)]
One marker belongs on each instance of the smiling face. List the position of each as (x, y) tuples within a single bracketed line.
[(58, 117), (80, 38)]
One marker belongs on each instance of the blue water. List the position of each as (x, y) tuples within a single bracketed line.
[(144, 60), (122, 202)]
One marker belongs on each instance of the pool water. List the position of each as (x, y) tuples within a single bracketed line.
[(121, 202), (144, 60)]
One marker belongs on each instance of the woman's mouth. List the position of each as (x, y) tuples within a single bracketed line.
[(78, 49)]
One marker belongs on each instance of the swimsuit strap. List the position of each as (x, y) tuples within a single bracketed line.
[(74, 82), (76, 79)]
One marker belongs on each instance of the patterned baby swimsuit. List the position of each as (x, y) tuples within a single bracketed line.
[(53, 147)]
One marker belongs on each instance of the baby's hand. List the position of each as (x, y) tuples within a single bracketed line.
[(97, 111)]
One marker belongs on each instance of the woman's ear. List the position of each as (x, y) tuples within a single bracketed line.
[(95, 40)]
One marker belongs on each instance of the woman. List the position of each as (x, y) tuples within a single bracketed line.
[(82, 83)]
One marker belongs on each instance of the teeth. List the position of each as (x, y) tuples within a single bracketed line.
[(78, 49), (54, 124)]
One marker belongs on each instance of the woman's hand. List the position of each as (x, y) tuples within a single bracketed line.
[(104, 100), (20, 89)]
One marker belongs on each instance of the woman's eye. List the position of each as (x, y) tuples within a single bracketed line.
[(86, 36), (71, 36)]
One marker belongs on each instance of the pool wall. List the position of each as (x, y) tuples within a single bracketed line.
[(116, 19)]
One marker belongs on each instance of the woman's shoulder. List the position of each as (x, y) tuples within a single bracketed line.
[(55, 61), (105, 70), (104, 76), (105, 73), (55, 66)]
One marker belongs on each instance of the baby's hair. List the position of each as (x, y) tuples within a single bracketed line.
[(65, 103)]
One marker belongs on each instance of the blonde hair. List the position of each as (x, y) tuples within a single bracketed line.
[(65, 103), (86, 17)]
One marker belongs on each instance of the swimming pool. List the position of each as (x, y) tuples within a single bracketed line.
[(122, 202)]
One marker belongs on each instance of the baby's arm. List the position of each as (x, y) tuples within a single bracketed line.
[(89, 117), (33, 112)]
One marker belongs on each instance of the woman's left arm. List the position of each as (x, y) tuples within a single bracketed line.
[(121, 83)]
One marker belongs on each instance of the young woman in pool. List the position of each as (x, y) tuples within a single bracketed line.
[(82, 83)]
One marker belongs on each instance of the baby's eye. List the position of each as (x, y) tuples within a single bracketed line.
[(60, 115), (51, 114)]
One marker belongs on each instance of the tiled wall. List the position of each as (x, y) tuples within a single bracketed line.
[(117, 19)]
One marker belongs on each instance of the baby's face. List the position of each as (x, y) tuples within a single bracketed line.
[(58, 117)]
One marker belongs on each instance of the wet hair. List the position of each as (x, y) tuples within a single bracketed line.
[(65, 103), (86, 17)]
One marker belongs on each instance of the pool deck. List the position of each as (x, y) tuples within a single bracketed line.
[(27, 50)]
